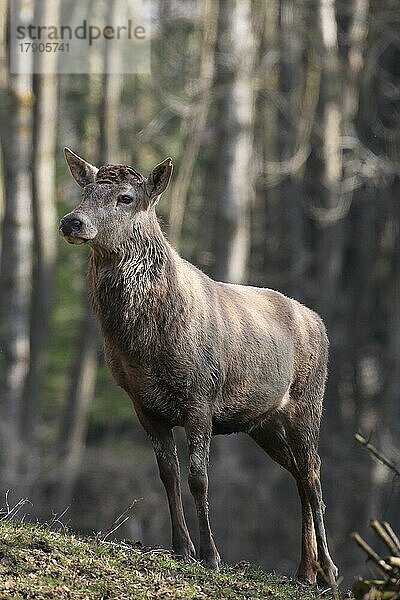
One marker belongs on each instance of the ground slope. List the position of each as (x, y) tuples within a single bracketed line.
[(36, 562)]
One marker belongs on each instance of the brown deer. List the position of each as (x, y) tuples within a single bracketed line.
[(208, 356)]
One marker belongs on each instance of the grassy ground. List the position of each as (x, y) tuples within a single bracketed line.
[(36, 562)]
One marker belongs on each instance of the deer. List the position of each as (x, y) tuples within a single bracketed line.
[(211, 357)]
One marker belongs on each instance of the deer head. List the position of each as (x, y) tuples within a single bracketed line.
[(117, 202)]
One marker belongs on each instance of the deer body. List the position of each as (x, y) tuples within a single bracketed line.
[(208, 356), (188, 336)]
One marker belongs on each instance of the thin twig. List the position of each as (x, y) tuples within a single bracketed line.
[(56, 519), (385, 461), (11, 512), (128, 509), (115, 528), (119, 521)]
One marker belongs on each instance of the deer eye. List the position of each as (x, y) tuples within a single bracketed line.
[(125, 199)]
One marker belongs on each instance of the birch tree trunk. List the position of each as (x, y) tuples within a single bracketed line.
[(357, 39), (232, 177), (16, 264), (45, 87), (195, 123), (236, 50), (331, 234)]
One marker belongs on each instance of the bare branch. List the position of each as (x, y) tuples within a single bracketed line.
[(385, 537), (392, 534), (371, 553)]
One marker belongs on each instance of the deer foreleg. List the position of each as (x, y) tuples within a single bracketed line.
[(167, 460), (198, 431)]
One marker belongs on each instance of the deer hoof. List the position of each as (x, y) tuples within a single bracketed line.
[(329, 576), (306, 575), (212, 561), (185, 552)]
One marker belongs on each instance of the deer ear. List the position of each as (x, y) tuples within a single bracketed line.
[(158, 179), (82, 171)]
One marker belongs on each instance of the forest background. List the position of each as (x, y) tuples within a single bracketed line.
[(282, 118)]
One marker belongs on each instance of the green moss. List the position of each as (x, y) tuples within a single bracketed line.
[(36, 562)]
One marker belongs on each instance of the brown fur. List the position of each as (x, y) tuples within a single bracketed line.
[(208, 356)]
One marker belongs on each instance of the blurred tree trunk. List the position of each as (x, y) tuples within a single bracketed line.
[(331, 233), (80, 396), (234, 169), (112, 87), (232, 178), (45, 88), (360, 305), (328, 175), (292, 78), (83, 377), (16, 263), (3, 88), (266, 147), (195, 122), (358, 32), (392, 358), (72, 436)]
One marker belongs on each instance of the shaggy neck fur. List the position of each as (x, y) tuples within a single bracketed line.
[(134, 290)]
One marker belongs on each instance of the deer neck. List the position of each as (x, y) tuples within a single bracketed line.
[(133, 288)]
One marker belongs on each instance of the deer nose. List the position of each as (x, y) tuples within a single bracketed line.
[(70, 224)]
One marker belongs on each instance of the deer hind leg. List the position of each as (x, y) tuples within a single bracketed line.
[(306, 570), (302, 433), (312, 486), (274, 441)]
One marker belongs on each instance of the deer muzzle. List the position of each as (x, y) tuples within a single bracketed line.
[(76, 228)]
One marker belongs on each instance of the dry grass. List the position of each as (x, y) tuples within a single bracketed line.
[(36, 562)]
